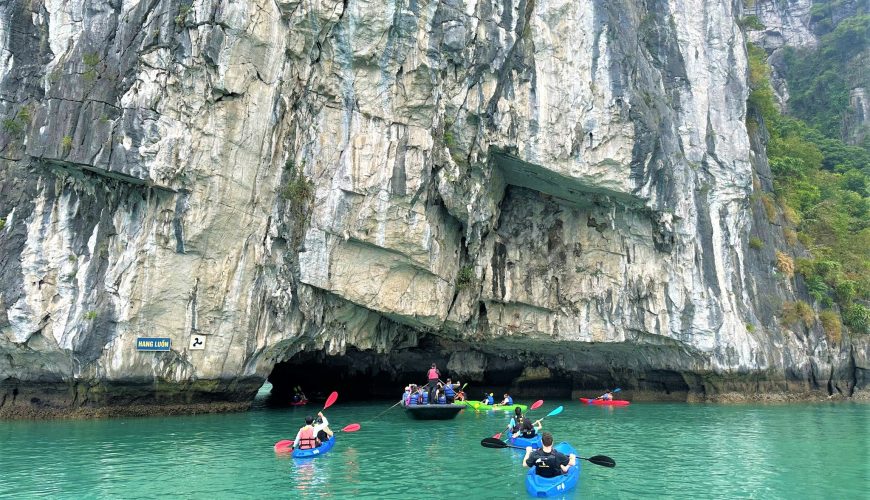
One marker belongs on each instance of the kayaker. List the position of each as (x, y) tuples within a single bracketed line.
[(508, 400), (547, 461), (450, 391), (306, 438), (607, 396), (488, 399), (516, 422), (433, 375), (321, 429), (529, 429)]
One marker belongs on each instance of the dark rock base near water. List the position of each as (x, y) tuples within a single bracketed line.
[(362, 375)]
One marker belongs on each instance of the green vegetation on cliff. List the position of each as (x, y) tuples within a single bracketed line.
[(821, 184)]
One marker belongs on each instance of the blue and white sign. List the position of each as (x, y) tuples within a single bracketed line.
[(153, 343)]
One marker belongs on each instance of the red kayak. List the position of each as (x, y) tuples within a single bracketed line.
[(299, 403), (603, 402)]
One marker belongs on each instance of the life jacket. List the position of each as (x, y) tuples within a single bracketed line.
[(433, 374), (510, 400), (425, 400), (448, 391), (442, 399), (412, 400), (490, 400), (307, 438)]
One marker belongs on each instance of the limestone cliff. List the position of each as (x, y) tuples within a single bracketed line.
[(553, 184)]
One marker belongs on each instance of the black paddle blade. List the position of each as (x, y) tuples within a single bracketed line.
[(602, 460), (493, 443)]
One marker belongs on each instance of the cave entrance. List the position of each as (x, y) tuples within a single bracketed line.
[(366, 375)]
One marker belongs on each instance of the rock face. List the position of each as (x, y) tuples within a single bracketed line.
[(499, 184)]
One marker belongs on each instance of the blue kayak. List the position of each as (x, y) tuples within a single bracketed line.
[(542, 487), (534, 442), (315, 452)]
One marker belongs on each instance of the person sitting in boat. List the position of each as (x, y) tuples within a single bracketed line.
[(321, 429), (422, 396), (508, 400), (607, 396), (440, 398), (450, 391), (488, 399), (547, 461), (406, 395), (528, 429), (413, 397), (306, 438), (516, 422), (460, 396)]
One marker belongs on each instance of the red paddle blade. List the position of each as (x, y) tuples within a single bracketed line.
[(537, 404), (351, 428), (497, 436), (331, 399), (284, 445)]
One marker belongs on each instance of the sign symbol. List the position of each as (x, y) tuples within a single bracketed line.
[(196, 341)]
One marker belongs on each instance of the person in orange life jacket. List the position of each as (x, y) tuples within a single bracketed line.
[(488, 399), (460, 396), (321, 429), (432, 375), (306, 438), (547, 461), (528, 429), (450, 391), (507, 400), (607, 396)]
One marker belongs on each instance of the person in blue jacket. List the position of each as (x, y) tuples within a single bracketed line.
[(414, 398), (450, 391), (488, 399), (508, 400)]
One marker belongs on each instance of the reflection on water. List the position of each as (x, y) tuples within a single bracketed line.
[(662, 451)]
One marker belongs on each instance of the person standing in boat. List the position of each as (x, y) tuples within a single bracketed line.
[(547, 461), (433, 375)]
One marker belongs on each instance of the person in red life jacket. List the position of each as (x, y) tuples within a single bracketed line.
[(432, 375), (306, 438), (547, 461)]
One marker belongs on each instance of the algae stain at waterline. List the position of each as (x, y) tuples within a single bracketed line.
[(662, 451), (153, 344)]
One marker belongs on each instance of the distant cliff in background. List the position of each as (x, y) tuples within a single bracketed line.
[(566, 190)]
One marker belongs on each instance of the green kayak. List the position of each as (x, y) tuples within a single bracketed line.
[(478, 406)]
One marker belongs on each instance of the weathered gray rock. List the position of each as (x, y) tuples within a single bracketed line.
[(554, 185)]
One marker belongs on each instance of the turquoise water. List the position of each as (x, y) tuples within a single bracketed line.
[(661, 450)]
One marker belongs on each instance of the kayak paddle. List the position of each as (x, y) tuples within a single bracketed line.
[(330, 400), (601, 460), (551, 414), (537, 404)]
